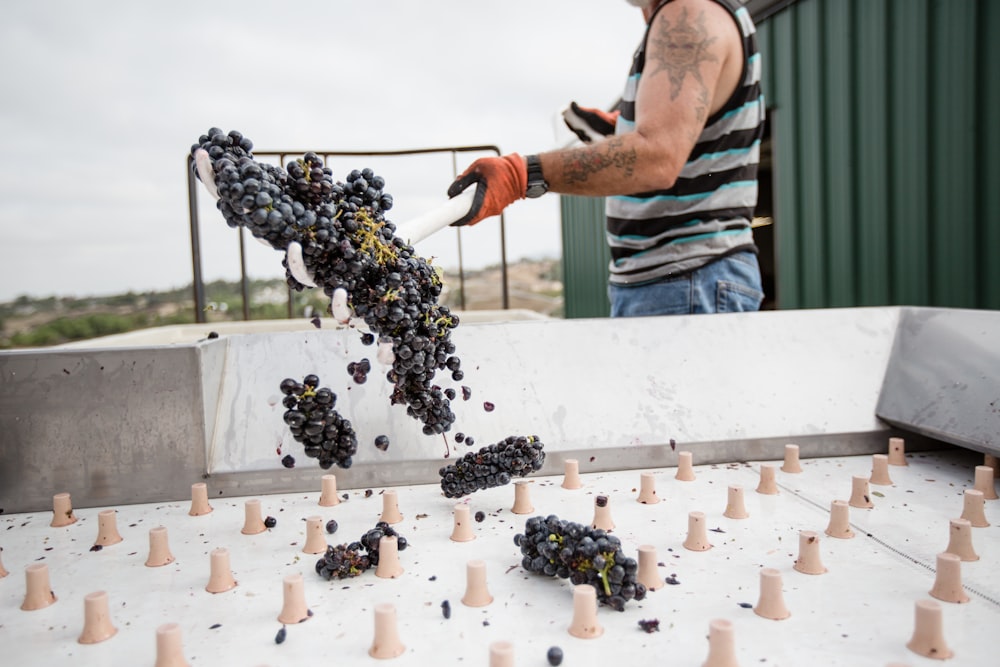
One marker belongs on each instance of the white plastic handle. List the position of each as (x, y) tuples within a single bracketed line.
[(419, 228), (206, 175)]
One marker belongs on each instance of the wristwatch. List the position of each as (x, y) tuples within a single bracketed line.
[(536, 182)]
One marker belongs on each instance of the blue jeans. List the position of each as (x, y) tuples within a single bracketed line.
[(728, 285)]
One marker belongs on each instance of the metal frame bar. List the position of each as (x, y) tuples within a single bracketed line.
[(198, 285)]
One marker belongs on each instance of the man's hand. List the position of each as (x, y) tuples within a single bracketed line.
[(590, 124), (502, 181)]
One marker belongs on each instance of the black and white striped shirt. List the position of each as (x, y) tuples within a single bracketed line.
[(708, 211)]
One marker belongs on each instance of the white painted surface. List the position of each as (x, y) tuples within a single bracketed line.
[(581, 384), (859, 613)]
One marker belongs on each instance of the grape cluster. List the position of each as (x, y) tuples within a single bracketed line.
[(343, 561), (349, 560), (370, 540), (493, 465), (310, 416), (347, 243), (584, 555)]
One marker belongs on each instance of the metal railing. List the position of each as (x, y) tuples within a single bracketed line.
[(198, 285)]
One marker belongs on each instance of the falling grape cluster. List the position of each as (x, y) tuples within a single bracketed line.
[(325, 434), (493, 465), (349, 560), (347, 242), (584, 555)]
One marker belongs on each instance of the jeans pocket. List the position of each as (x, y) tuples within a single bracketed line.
[(733, 297)]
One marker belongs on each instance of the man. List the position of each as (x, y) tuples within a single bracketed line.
[(679, 172)]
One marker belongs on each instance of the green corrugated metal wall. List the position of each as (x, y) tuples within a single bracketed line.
[(884, 116), (884, 121), (585, 257)]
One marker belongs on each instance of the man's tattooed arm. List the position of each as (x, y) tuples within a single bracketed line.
[(679, 50), (578, 165)]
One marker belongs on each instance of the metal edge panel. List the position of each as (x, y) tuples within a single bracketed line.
[(368, 475), (108, 426), (941, 380)]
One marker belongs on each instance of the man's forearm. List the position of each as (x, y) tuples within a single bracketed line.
[(617, 165)]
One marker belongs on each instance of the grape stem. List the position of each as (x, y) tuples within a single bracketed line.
[(609, 562)]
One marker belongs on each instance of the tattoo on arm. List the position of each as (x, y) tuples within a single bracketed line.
[(680, 50), (580, 164)]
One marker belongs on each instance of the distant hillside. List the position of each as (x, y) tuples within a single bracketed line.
[(42, 322)]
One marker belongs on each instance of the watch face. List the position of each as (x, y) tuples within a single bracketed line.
[(536, 190)]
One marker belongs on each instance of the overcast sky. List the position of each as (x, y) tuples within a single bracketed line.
[(102, 100)]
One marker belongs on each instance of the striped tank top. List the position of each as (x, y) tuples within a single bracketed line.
[(708, 211)]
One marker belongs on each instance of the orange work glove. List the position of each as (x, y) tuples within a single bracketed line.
[(590, 124), (502, 181)]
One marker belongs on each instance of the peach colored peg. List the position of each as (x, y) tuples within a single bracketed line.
[(462, 529), (685, 468), (170, 646), (571, 474), (602, 514), (253, 522), (315, 538), (477, 593), (199, 500), (735, 503), (771, 603), (328, 491), (386, 643), (928, 631), (860, 494), (585, 624), (159, 548), (293, 608), (647, 489), (62, 510), (220, 577), (791, 464), (840, 520), (697, 535), (107, 528), (721, 644), (390, 507), (974, 508), (767, 485), (522, 498), (880, 470), (97, 624), (38, 592), (960, 540), (502, 654), (388, 566), (897, 452), (985, 482), (649, 574), (809, 560), (948, 579)]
